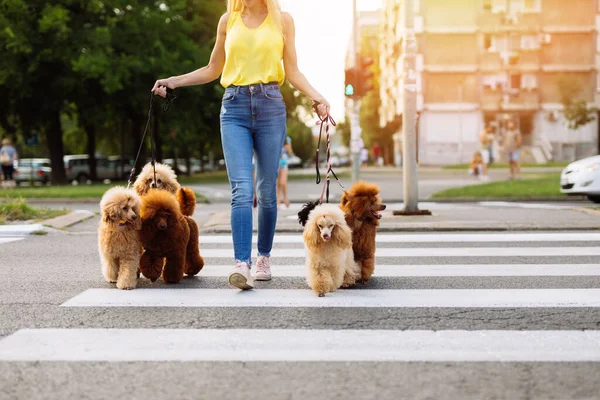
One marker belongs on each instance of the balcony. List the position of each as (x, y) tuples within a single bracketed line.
[(523, 100), (490, 61), (525, 22), (491, 100)]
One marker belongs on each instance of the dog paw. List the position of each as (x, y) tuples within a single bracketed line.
[(321, 294), (126, 287)]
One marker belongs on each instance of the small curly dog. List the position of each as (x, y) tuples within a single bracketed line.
[(168, 234), (361, 206), (119, 242), (166, 179), (328, 243)]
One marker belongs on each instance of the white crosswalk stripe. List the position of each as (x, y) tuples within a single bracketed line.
[(4, 240), (299, 344)]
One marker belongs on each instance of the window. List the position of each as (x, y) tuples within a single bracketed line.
[(487, 42), (515, 81), (498, 6), (530, 42), (493, 81), (498, 44), (533, 6), (517, 6), (529, 81)]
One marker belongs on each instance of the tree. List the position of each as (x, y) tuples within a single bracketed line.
[(369, 108), (576, 111)]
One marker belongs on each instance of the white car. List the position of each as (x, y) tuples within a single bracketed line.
[(582, 178)]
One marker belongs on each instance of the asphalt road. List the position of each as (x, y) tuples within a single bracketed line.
[(390, 181), (495, 324)]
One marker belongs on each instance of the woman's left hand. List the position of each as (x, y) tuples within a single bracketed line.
[(323, 107)]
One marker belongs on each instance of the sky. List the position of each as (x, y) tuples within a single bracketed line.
[(323, 29)]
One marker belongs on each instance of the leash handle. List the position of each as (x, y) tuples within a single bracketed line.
[(170, 98)]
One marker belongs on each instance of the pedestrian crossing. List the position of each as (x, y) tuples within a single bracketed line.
[(426, 273), (5, 240)]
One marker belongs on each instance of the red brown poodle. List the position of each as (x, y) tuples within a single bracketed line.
[(168, 234), (361, 205)]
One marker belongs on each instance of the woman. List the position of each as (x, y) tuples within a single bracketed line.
[(486, 139), (282, 178), (253, 38), (8, 155)]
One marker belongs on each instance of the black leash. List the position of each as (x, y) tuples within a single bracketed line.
[(327, 121), (170, 98)]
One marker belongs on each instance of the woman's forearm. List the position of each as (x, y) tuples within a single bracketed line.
[(198, 77)]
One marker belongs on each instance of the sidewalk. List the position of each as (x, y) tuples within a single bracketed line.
[(452, 217)]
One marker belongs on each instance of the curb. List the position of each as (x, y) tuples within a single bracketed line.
[(20, 230), (65, 221)]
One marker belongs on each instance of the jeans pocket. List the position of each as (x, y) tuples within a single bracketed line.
[(273, 93), (228, 96)]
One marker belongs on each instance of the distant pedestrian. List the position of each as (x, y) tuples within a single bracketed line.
[(8, 156), (486, 139), (512, 143), (282, 178), (377, 154)]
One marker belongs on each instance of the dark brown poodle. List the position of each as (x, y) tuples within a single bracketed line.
[(361, 205), (168, 234)]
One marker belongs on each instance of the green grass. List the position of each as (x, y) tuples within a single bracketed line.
[(19, 210), (553, 164), (221, 177), (94, 191), (537, 186)]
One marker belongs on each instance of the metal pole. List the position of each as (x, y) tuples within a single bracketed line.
[(460, 121), (409, 116), (355, 130)]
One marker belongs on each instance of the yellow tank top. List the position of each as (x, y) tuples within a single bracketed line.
[(252, 55)]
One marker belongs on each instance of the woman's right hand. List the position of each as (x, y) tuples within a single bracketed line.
[(161, 85)]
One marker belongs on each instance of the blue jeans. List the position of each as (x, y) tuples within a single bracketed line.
[(253, 119)]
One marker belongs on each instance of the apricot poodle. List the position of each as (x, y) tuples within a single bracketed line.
[(329, 257), (168, 234), (361, 206), (119, 241)]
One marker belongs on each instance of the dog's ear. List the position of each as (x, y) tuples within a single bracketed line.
[(312, 234), (137, 225), (305, 212), (345, 198), (342, 235)]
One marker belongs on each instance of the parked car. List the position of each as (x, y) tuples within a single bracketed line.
[(294, 162), (32, 170), (582, 178), (77, 168), (182, 166)]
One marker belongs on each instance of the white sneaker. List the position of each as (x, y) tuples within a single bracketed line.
[(240, 276), (263, 269)]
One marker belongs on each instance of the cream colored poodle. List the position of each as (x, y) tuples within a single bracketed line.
[(328, 242), (119, 240), (166, 179)]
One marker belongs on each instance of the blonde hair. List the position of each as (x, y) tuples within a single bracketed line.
[(6, 142), (273, 7)]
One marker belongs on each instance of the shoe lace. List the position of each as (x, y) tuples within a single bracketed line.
[(262, 264)]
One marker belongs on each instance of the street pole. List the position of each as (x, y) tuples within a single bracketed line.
[(409, 116), (460, 120), (355, 130)]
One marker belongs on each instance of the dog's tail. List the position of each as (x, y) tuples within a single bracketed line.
[(187, 201), (305, 212)]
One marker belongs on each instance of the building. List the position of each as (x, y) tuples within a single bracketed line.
[(488, 61)]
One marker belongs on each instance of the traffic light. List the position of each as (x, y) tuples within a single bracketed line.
[(359, 80), (350, 82), (365, 76)]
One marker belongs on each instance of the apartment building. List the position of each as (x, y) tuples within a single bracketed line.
[(490, 61)]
